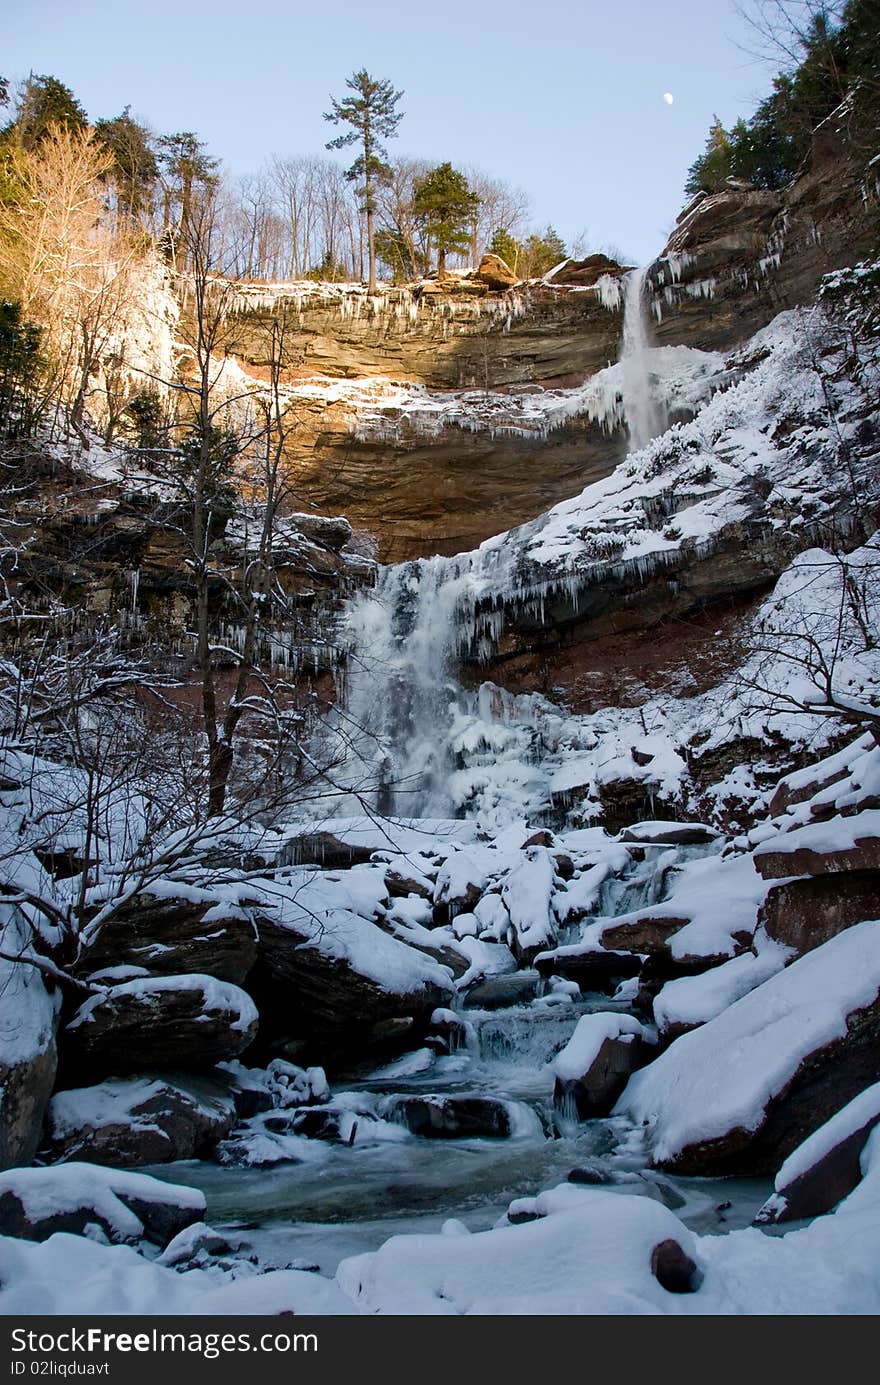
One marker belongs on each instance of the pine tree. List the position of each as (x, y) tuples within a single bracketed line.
[(135, 167), (708, 172), (509, 249), (187, 167), (43, 102), (542, 253), (444, 205), (373, 118)]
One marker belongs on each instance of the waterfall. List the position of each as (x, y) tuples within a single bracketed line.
[(645, 415), (399, 696)]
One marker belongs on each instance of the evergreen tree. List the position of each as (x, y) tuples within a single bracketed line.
[(508, 247), (43, 102), (135, 167), (187, 167), (444, 205), (708, 172), (372, 115), (542, 253)]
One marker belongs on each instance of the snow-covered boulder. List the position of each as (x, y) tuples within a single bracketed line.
[(822, 848), (528, 897), (28, 1057), (598, 1060), (133, 1121), (155, 1023), (661, 833), (822, 1171), (804, 913), (131, 1207), (591, 966), (168, 934), (689, 1001), (740, 1093), (329, 974)]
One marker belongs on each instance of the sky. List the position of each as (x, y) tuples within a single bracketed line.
[(569, 107)]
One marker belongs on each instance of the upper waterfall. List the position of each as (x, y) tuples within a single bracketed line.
[(644, 413)]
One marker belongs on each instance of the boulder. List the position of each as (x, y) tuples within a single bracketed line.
[(134, 1121), (451, 1117), (497, 992), (648, 934), (826, 1167), (151, 1023), (803, 914), (593, 968), (496, 273), (737, 1095), (822, 848), (674, 1269), (657, 833), (168, 937), (339, 981), (28, 1057), (597, 1062), (585, 273), (126, 1207)]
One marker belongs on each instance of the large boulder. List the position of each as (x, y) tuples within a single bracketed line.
[(822, 848), (804, 913), (827, 1166), (28, 1056), (126, 1207), (597, 1062), (496, 273), (334, 979), (134, 1121), (739, 1094), (594, 968), (169, 936), (155, 1023)]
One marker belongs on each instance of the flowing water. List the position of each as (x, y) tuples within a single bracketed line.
[(645, 415)]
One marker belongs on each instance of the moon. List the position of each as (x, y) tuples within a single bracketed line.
[(668, 97)]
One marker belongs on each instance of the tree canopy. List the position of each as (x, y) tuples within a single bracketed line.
[(445, 206)]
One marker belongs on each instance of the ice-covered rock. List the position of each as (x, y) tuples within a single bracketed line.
[(598, 1060), (28, 1056)]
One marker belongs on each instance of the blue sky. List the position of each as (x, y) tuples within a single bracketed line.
[(567, 103)]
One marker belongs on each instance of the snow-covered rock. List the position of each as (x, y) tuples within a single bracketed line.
[(598, 1060), (827, 1166), (36, 1203), (689, 1001), (740, 1093), (153, 1023), (133, 1121)]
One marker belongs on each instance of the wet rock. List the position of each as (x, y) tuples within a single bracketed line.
[(497, 992), (169, 937), (590, 1175), (674, 1269), (564, 865), (139, 1121), (452, 1117), (803, 914), (315, 1123), (448, 1032), (151, 1023), (126, 1207)]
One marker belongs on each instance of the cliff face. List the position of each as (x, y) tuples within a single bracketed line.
[(437, 415), (739, 257)]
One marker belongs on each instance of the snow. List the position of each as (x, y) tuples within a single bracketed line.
[(591, 1032), (721, 1076), (527, 894), (27, 1011)]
